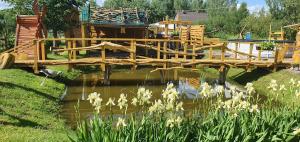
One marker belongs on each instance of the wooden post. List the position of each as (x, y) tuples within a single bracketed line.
[(185, 51), (69, 42), (165, 54), (107, 73), (43, 50), (210, 55), (276, 60), (74, 51), (223, 53), (177, 50), (236, 49), (133, 53), (83, 34), (35, 65), (194, 55), (250, 52), (103, 58), (259, 54), (158, 50), (222, 75)]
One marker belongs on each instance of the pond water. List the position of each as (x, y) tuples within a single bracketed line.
[(128, 82)]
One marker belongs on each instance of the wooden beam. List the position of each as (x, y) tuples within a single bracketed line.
[(43, 50)]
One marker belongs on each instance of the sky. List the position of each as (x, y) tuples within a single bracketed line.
[(253, 5)]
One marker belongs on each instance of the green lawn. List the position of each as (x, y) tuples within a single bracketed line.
[(29, 111)]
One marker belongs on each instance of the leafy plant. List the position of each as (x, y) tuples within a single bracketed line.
[(267, 46)]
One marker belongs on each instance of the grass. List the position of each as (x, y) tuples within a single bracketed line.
[(28, 111), (261, 79)]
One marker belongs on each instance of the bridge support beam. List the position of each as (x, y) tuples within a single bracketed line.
[(222, 75), (163, 76), (107, 73)]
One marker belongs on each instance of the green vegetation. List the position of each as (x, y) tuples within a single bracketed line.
[(236, 119), (29, 111), (261, 80)]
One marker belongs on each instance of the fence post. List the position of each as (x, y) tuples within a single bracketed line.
[(250, 52), (43, 50), (223, 53), (69, 54), (158, 49), (210, 55), (185, 51), (103, 58), (236, 49), (276, 59), (35, 65), (74, 51), (165, 54), (194, 55), (133, 53)]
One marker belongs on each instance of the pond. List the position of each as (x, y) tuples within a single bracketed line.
[(127, 82)]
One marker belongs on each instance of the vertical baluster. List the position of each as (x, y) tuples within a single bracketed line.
[(210, 55), (250, 52), (236, 49), (158, 50), (165, 53)]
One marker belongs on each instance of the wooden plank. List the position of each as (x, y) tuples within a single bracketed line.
[(74, 52), (158, 50), (250, 52), (35, 64), (165, 55), (103, 58), (43, 50)]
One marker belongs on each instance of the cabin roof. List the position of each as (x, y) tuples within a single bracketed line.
[(191, 16), (114, 17)]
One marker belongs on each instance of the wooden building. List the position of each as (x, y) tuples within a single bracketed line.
[(98, 22)]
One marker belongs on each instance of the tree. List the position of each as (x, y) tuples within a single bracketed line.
[(197, 4), (62, 15), (181, 4), (116, 3), (7, 27)]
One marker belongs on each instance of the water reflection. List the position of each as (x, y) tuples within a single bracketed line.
[(128, 82)]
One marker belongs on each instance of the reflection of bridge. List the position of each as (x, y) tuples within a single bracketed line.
[(160, 53)]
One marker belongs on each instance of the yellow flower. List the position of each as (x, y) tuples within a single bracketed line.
[(292, 82), (143, 96), (121, 123), (170, 122), (250, 88), (273, 85), (134, 101), (298, 93), (178, 121), (93, 96), (179, 106), (296, 131), (254, 108), (122, 102), (156, 107), (206, 91), (282, 88), (110, 102)]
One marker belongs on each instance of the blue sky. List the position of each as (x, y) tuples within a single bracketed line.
[(253, 5)]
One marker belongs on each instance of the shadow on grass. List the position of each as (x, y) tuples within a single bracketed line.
[(11, 85), (245, 77), (21, 122)]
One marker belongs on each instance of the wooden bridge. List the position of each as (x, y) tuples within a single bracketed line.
[(163, 54)]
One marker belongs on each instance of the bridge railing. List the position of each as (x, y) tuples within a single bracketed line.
[(164, 53)]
